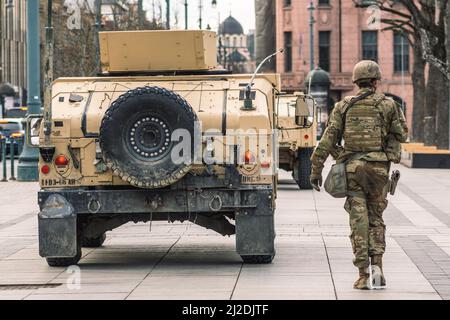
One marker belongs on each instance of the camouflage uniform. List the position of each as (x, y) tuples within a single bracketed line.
[(374, 129)]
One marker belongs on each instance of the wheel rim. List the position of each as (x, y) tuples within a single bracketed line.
[(148, 137)]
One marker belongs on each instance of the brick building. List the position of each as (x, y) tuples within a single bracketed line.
[(342, 37)]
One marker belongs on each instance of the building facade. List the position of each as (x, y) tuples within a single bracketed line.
[(343, 35), (13, 46)]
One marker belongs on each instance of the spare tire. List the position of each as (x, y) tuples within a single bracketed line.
[(135, 136)]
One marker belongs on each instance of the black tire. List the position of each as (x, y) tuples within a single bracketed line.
[(135, 136), (257, 259), (302, 169), (93, 242)]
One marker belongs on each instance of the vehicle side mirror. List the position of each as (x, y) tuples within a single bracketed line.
[(304, 112), (33, 126)]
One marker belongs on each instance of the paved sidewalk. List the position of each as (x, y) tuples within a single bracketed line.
[(184, 261)]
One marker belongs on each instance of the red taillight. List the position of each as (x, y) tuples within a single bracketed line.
[(306, 137), (248, 157), (265, 165), (45, 169), (61, 160)]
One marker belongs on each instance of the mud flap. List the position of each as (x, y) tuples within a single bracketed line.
[(255, 230), (57, 223)]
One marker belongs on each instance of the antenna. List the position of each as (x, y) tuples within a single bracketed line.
[(250, 85), (248, 88)]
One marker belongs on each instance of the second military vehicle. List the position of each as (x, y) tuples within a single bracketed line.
[(296, 143), (161, 134)]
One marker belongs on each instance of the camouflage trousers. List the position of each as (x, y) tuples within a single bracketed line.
[(367, 183)]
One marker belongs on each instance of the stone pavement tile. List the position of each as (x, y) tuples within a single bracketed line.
[(195, 270), (387, 295), (296, 222), (333, 219), (401, 230), (90, 288), (27, 277), (25, 254), (149, 293), (329, 230), (286, 270), (281, 287), (167, 287), (414, 212), (105, 275), (14, 294), (12, 297), (78, 296), (28, 266), (251, 294), (422, 199), (194, 282)]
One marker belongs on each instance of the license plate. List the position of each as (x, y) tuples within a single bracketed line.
[(57, 182)]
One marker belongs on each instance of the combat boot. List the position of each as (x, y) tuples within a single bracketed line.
[(377, 270), (363, 281)]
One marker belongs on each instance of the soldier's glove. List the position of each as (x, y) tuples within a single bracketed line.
[(316, 181)]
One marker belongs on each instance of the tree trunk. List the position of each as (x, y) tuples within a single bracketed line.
[(442, 105), (442, 113), (447, 47), (418, 79), (265, 32), (431, 101)]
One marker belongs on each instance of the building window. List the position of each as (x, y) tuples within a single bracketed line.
[(324, 2), (370, 45), (401, 52), (287, 3), (324, 50), (287, 51)]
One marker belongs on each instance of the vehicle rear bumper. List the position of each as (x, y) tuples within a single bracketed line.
[(62, 213), (138, 201)]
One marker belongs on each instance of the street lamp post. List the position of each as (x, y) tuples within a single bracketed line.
[(98, 26), (186, 26), (200, 9), (317, 84), (167, 14), (140, 15), (447, 43), (311, 9), (28, 160)]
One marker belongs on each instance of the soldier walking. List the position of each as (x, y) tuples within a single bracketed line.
[(372, 127)]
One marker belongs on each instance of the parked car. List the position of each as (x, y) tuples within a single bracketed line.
[(12, 130)]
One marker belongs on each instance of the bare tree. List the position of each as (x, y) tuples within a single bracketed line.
[(74, 49)]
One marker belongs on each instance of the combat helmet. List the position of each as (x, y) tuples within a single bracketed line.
[(366, 69)]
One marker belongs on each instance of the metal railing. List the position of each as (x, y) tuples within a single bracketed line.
[(12, 153)]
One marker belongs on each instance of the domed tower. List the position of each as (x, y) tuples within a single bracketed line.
[(233, 47)]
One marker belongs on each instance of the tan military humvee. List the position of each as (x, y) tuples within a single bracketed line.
[(296, 143), (161, 134)]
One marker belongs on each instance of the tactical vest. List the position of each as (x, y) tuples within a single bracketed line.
[(364, 126)]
